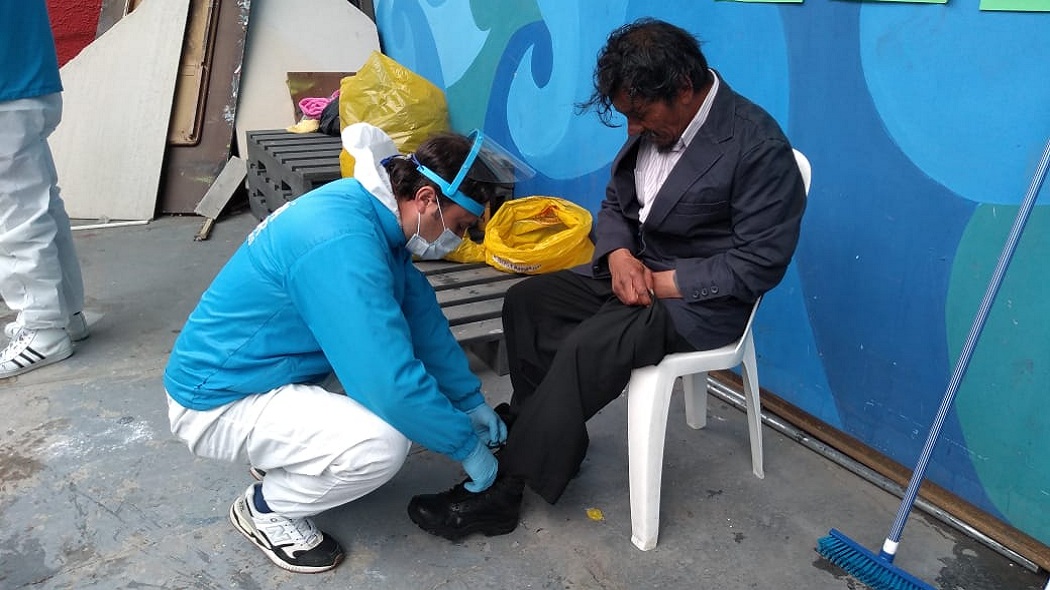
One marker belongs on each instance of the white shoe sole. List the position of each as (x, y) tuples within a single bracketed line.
[(48, 360), (238, 517)]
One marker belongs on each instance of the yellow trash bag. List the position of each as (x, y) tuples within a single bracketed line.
[(405, 105), (467, 251), (536, 235)]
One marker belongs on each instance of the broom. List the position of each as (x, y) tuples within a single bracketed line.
[(878, 571)]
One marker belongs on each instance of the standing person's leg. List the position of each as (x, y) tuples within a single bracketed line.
[(319, 450), (31, 278), (72, 285)]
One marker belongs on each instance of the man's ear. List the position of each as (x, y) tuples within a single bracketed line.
[(424, 196), (686, 92)]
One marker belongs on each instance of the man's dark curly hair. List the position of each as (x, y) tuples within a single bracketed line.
[(443, 153), (651, 60)]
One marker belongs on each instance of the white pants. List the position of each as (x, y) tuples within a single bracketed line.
[(39, 273), (319, 449)]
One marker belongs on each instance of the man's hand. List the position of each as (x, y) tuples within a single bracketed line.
[(632, 282), (488, 425), (481, 467)]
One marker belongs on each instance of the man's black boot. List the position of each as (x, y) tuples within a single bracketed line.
[(459, 512), (503, 411)]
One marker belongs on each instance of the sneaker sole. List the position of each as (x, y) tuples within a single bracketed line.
[(489, 529), (235, 518), (49, 360)]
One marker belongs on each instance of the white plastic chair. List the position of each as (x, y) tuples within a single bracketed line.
[(648, 399)]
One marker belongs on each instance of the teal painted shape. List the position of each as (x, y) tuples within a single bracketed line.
[(468, 97), (458, 43), (542, 117), (1001, 404)]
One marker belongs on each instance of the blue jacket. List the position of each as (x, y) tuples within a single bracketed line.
[(28, 65), (326, 283)]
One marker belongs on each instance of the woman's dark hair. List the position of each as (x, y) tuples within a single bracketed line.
[(444, 154), (649, 59)]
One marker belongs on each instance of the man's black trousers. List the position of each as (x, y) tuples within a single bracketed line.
[(571, 346)]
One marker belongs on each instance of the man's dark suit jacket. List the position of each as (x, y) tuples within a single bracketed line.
[(727, 219)]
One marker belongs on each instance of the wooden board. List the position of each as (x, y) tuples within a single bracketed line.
[(329, 36), (201, 131), (109, 148)]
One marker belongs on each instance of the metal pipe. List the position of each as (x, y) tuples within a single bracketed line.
[(736, 399), (109, 224)]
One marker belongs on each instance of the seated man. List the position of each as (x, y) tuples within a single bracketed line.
[(701, 217), (327, 283)]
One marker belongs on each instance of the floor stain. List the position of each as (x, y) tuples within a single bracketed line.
[(968, 570), (17, 462)]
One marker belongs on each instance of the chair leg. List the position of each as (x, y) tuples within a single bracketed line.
[(648, 398), (695, 389), (749, 374)]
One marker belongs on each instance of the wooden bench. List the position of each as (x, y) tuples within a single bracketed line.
[(471, 295)]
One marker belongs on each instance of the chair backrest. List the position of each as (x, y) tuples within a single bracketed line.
[(807, 175), (804, 168)]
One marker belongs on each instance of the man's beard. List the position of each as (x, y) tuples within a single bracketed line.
[(661, 146)]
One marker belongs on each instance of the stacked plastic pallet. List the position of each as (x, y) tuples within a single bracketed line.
[(283, 166)]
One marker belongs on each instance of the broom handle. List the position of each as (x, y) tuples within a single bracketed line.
[(889, 547)]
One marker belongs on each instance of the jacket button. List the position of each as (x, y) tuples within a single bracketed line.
[(703, 292), (696, 294), (714, 290)]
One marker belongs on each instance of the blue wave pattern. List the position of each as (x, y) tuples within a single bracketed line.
[(904, 113)]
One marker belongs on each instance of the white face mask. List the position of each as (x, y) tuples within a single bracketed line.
[(439, 248)]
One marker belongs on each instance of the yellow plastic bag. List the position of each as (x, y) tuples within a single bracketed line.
[(536, 235), (405, 105), (467, 251)]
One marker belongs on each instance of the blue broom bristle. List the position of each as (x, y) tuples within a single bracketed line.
[(875, 571)]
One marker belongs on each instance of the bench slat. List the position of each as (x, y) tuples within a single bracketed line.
[(479, 292), (466, 277), (483, 331), (430, 267), (474, 311)]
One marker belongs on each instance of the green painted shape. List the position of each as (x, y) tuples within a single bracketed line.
[(1002, 400), (468, 97)]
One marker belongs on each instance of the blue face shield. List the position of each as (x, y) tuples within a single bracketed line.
[(487, 161)]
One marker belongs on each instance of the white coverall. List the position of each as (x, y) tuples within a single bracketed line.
[(39, 273)]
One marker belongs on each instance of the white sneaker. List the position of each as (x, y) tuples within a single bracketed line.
[(77, 328), (294, 544), (32, 349)]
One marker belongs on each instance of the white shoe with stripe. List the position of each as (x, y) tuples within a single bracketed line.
[(32, 349)]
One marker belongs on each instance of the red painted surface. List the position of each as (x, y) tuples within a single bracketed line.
[(74, 23)]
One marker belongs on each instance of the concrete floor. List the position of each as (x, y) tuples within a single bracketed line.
[(95, 493)]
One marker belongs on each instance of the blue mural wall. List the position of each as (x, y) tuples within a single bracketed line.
[(924, 124)]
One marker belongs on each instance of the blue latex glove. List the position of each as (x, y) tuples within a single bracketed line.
[(488, 425), (481, 466)]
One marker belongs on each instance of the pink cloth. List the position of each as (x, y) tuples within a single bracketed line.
[(312, 107)]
